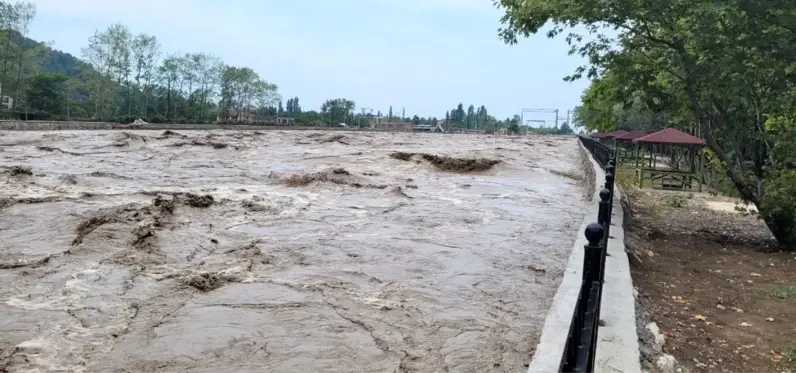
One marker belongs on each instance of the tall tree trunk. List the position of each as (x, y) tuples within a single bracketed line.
[(129, 99), (781, 230), (19, 85), (168, 100), (146, 101), (3, 79)]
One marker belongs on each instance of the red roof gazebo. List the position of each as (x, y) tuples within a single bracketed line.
[(614, 134), (632, 135), (624, 149), (670, 136), (681, 163)]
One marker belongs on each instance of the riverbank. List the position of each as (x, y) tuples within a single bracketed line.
[(711, 295)]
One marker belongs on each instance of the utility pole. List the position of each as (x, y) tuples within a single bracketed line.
[(545, 111), (556, 126), (364, 118)]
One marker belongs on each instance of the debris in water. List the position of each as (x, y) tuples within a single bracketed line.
[(20, 170), (204, 281), (251, 205), (170, 133), (198, 200), (449, 163), (334, 138), (337, 175), (400, 191), (69, 179), (197, 142), (53, 149), (165, 204)]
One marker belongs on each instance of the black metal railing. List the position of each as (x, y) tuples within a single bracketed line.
[(581, 345), (600, 152)]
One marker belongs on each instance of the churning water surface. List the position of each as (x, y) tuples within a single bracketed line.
[(280, 251)]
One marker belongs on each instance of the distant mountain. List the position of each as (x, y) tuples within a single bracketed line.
[(57, 61)]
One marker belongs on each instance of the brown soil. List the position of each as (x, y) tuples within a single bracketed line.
[(449, 163), (723, 300)]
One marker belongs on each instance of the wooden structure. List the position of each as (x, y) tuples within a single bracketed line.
[(625, 150), (683, 166)]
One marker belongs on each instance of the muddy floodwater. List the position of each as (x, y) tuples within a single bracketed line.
[(280, 251)]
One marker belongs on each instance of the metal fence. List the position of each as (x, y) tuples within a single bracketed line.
[(581, 344), (600, 152)]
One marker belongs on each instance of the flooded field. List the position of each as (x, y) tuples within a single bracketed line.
[(280, 251)]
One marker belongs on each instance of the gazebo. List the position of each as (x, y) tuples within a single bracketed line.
[(624, 147), (683, 167)]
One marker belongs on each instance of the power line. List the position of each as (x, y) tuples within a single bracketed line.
[(538, 110)]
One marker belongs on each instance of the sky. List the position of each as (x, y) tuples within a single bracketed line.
[(422, 55)]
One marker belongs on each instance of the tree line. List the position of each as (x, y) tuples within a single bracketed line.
[(122, 76), (724, 71)]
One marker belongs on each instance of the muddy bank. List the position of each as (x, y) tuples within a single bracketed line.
[(712, 296), (157, 251)]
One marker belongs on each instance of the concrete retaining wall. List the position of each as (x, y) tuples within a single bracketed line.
[(617, 346), (13, 125)]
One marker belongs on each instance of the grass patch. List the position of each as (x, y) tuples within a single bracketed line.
[(784, 292), (675, 200), (790, 357)]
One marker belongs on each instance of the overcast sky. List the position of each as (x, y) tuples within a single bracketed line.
[(424, 55)]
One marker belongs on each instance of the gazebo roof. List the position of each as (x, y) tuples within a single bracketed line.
[(614, 134), (598, 135), (632, 135), (670, 136)]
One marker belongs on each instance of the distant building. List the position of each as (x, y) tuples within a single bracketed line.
[(250, 116), (468, 131), (395, 126), (6, 103)]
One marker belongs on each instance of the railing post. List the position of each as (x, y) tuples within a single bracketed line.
[(594, 253), (604, 213), (609, 181)]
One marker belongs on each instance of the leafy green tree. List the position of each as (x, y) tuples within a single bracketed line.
[(717, 69), (46, 93), (338, 110)]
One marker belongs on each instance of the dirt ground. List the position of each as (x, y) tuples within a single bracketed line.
[(724, 300)]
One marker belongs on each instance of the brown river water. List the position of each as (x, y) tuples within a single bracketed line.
[(280, 251)]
